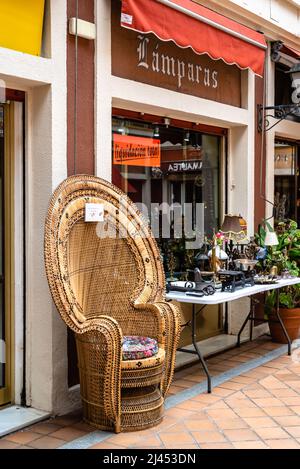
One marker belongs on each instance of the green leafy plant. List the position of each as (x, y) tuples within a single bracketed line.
[(289, 240), (286, 256), (289, 298)]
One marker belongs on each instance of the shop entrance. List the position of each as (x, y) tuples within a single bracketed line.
[(174, 171), (287, 182), (6, 271)]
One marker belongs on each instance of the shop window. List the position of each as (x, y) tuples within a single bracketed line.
[(174, 175), (283, 89), (286, 184)]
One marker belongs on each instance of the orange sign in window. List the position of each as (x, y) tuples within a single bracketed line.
[(136, 151)]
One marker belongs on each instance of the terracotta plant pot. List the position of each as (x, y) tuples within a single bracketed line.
[(291, 320)]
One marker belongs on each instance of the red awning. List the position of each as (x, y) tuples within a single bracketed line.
[(189, 24), (290, 51)]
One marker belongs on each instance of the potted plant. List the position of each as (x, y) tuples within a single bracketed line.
[(289, 305), (286, 257)]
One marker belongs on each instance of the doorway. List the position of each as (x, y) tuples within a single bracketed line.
[(6, 249), (286, 181), (189, 172)]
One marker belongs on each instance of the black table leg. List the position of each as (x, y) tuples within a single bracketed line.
[(252, 309), (282, 325), (194, 339), (250, 317), (241, 329)]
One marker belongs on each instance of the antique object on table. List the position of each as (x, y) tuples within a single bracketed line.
[(251, 249), (110, 290), (271, 238), (202, 260), (231, 228), (218, 258), (285, 274), (233, 279), (191, 288), (197, 277), (245, 264), (274, 271), (265, 279), (214, 260), (233, 233)]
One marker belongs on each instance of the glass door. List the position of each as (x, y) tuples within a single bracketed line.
[(5, 255), (285, 184), (182, 169)]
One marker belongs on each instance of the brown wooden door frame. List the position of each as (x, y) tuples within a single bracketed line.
[(6, 394)]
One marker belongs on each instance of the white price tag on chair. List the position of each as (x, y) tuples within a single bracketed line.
[(94, 212)]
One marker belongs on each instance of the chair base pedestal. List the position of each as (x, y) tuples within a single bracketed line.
[(141, 397), (141, 409)]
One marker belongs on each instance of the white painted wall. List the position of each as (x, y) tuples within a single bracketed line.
[(280, 13), (44, 81), (39, 334), (47, 386), (19, 250), (241, 162), (103, 91), (277, 19)]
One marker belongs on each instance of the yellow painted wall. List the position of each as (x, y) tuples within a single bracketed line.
[(21, 25)]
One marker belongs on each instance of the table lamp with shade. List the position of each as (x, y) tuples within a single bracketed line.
[(271, 239), (233, 231)]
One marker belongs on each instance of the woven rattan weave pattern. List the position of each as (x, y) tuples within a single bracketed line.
[(107, 280)]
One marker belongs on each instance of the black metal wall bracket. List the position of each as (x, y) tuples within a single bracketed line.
[(280, 113)]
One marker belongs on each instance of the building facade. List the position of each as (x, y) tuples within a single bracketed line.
[(78, 105)]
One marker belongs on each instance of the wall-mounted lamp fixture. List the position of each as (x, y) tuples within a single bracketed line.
[(121, 128), (282, 111), (187, 136), (167, 121), (156, 132), (294, 72), (276, 47)]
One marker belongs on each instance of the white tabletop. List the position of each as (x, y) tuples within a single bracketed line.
[(224, 297)]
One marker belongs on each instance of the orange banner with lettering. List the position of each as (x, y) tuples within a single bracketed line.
[(136, 151)]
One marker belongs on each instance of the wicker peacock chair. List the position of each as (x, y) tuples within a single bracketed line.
[(107, 282)]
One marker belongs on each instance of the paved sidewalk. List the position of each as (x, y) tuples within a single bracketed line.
[(251, 407)]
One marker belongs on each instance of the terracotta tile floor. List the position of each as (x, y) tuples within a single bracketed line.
[(259, 408)]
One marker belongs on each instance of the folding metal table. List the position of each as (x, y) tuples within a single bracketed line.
[(224, 297)]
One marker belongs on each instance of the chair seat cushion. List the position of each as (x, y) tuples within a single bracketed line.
[(137, 347)]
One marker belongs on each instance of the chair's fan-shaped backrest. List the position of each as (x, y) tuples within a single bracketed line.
[(96, 268)]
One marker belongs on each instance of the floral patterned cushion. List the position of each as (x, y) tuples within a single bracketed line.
[(136, 347)]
